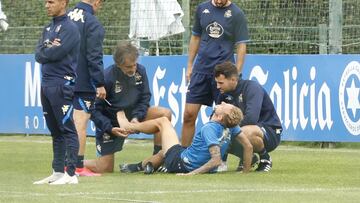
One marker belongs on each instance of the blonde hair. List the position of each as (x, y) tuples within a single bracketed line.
[(233, 118)]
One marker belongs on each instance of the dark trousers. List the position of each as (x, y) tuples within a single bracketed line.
[(58, 111)]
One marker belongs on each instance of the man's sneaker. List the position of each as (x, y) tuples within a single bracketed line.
[(254, 163), (149, 168), (55, 176), (130, 168), (162, 169), (85, 172), (264, 165), (66, 179), (223, 167)]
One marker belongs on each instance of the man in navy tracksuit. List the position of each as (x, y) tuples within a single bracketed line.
[(57, 51), (90, 77), (128, 98), (261, 126)]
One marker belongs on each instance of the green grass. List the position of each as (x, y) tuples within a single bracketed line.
[(299, 175)]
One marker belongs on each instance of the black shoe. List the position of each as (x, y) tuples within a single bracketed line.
[(162, 169), (264, 165), (254, 163), (149, 168), (130, 168)]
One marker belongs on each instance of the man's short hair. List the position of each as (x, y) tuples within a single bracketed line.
[(125, 49), (227, 69), (233, 118)]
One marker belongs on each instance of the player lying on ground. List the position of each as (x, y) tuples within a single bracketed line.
[(205, 152)]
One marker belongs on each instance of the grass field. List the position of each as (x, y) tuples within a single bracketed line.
[(299, 174)]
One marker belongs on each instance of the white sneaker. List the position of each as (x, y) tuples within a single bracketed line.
[(223, 167), (66, 179), (54, 177)]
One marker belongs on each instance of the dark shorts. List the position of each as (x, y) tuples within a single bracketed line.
[(84, 101), (108, 144), (202, 89), (272, 137), (271, 141), (173, 161)]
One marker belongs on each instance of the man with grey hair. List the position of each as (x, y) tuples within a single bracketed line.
[(127, 97), (90, 81)]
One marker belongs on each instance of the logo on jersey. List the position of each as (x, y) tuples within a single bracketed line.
[(58, 28), (228, 14), (215, 30), (65, 108), (48, 29), (76, 15), (206, 11), (138, 78), (98, 147), (87, 104), (349, 92), (225, 138), (240, 98), (118, 87)]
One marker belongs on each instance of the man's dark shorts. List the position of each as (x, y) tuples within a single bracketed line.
[(272, 137), (202, 89), (173, 161), (108, 144), (84, 101)]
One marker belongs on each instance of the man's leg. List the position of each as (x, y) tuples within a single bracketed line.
[(188, 128), (153, 113), (81, 118), (102, 164), (255, 134)]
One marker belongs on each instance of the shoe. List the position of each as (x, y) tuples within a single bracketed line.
[(85, 172), (162, 169), (54, 177), (149, 168), (66, 179), (130, 168), (223, 167), (264, 165), (254, 163)]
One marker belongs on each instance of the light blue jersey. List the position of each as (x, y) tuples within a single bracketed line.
[(212, 133)]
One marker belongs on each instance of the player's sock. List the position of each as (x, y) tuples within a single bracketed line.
[(224, 158), (80, 161), (157, 148), (264, 155)]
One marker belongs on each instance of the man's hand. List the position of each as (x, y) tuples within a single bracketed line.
[(101, 92), (185, 174), (188, 73), (120, 132)]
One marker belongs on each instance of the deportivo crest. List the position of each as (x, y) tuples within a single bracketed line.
[(228, 14), (138, 79), (118, 87), (225, 136), (65, 108), (215, 30)]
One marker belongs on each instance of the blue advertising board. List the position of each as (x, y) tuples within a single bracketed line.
[(316, 96)]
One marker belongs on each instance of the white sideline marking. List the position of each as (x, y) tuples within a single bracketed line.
[(310, 190), (280, 148)]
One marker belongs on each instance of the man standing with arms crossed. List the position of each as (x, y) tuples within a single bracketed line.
[(219, 27), (57, 51), (90, 82)]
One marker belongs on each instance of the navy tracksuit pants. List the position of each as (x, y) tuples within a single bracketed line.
[(57, 102)]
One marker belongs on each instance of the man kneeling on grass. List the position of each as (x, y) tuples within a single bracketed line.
[(207, 148)]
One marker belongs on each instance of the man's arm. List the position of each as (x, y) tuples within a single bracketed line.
[(143, 103), (215, 161), (193, 49), (94, 56), (240, 59), (247, 151), (60, 47)]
